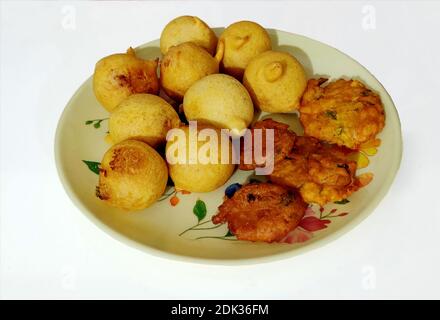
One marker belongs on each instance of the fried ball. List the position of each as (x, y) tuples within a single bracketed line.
[(132, 176), (187, 29), (199, 176), (262, 212), (143, 117), (344, 112), (220, 100), (183, 65), (239, 43), (275, 81), (120, 75)]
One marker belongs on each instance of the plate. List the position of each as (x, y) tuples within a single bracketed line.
[(170, 228)]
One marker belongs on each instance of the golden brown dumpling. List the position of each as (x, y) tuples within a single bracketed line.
[(187, 29), (275, 81), (143, 117), (239, 43), (220, 100), (120, 75), (132, 176), (199, 176), (183, 65)]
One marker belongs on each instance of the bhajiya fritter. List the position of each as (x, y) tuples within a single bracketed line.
[(322, 172), (262, 212), (284, 140), (344, 112)]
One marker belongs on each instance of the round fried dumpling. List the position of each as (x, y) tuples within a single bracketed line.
[(120, 75), (187, 29), (220, 100), (183, 65), (275, 81), (132, 176), (143, 117), (207, 172), (239, 43)]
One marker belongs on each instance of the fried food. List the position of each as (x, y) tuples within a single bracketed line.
[(262, 212), (344, 112), (284, 141), (220, 100), (143, 117), (238, 44), (276, 81), (183, 65), (132, 176), (187, 29), (200, 176), (120, 75), (322, 172)]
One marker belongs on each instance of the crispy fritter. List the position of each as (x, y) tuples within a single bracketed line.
[(322, 172), (262, 212), (284, 140), (343, 112)]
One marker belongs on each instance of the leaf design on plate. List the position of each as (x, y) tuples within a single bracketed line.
[(229, 234), (92, 165), (199, 210), (343, 201)]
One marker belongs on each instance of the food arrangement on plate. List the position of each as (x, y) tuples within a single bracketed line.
[(227, 83), (255, 136)]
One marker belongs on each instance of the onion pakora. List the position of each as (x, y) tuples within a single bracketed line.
[(262, 212), (322, 172), (344, 112)]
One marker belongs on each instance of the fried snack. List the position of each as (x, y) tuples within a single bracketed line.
[(143, 117), (238, 44), (132, 176), (262, 212), (344, 112), (199, 176), (120, 75), (275, 81), (183, 65), (322, 172), (187, 29), (220, 100), (284, 141)]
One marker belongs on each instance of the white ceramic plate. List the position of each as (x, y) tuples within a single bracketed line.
[(157, 229)]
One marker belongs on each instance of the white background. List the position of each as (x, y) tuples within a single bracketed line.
[(50, 250)]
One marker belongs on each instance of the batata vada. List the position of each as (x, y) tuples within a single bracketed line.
[(143, 117), (183, 65), (120, 75), (187, 29), (276, 81), (238, 44), (132, 176)]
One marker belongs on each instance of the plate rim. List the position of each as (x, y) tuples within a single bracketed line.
[(320, 243)]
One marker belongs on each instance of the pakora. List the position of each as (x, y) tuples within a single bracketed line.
[(344, 112), (262, 212), (322, 172)]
